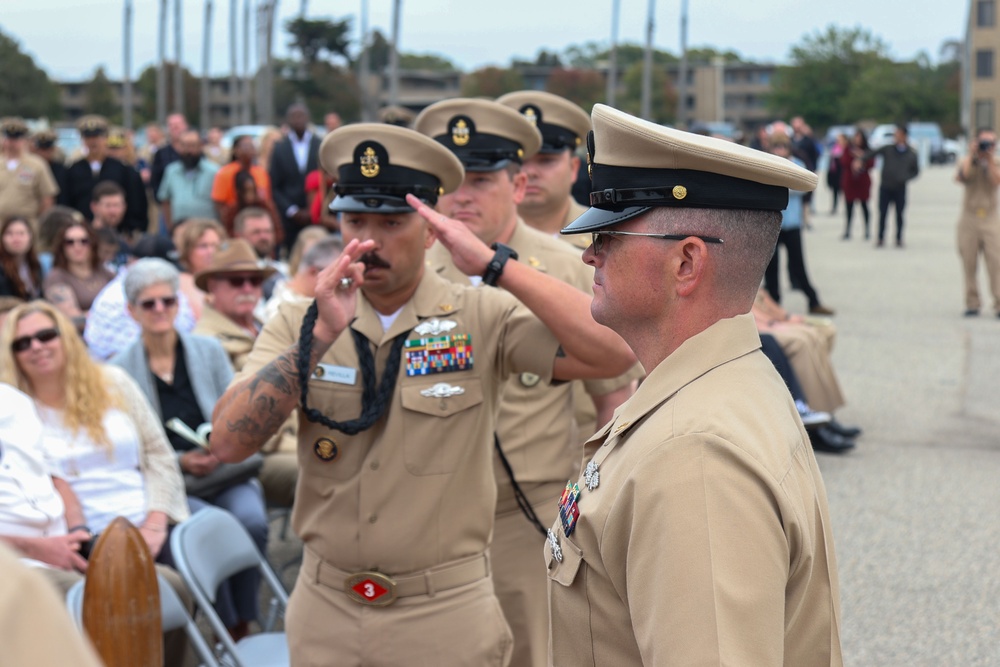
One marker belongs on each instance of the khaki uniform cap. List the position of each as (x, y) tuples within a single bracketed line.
[(92, 124), (545, 109), (14, 128), (636, 165), (403, 148), (466, 126)]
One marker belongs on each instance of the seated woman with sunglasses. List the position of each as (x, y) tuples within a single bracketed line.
[(99, 432), (77, 275), (183, 377), (233, 283)]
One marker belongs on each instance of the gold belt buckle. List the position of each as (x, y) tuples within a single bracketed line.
[(371, 588)]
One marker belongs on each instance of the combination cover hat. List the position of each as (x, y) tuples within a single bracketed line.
[(636, 165), (485, 135), (14, 128), (563, 124), (377, 165), (92, 125)]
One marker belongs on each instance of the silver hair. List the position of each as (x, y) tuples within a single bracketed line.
[(322, 253), (148, 272)]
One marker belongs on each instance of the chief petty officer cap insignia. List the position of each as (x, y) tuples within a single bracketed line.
[(485, 135), (377, 165), (563, 124), (637, 165), (92, 126)]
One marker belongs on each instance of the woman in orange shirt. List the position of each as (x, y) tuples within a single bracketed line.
[(224, 191)]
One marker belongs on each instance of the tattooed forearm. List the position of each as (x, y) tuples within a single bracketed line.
[(252, 411), (259, 423)]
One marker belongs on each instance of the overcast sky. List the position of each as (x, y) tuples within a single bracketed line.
[(70, 38)]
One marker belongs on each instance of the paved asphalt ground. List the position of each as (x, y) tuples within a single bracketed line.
[(913, 507)]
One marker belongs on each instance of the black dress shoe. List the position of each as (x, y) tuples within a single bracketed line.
[(846, 431), (824, 439)]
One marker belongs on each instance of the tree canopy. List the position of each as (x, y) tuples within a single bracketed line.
[(25, 89), (843, 75), (491, 82), (314, 37), (100, 96)]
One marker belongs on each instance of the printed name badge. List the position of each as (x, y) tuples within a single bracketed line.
[(338, 374)]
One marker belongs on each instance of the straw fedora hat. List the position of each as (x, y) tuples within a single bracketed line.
[(235, 256)]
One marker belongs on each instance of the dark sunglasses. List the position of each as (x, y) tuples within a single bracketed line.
[(598, 238), (239, 281), (165, 301), (42, 336), (72, 242)]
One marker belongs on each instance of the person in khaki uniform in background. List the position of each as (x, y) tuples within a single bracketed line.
[(536, 429), (27, 187), (396, 494), (699, 532), (548, 206), (979, 224)]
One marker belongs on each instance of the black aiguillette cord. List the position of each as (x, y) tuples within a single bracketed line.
[(374, 399)]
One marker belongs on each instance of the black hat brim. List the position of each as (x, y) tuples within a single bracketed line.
[(381, 204), (596, 219)]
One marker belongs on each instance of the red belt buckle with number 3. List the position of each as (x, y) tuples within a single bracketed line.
[(371, 588)]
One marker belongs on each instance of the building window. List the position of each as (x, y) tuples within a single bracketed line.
[(984, 64), (986, 16), (984, 115)]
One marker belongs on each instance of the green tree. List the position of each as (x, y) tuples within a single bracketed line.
[(145, 87), (313, 37), (100, 96), (663, 101), (25, 89), (706, 54), (491, 82), (323, 89), (584, 55), (824, 66), (426, 61), (586, 87)]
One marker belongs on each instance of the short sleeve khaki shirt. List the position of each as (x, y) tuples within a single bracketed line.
[(705, 538), (416, 489), (23, 187)]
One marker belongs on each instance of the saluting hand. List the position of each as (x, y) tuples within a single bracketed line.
[(336, 298), (470, 255)]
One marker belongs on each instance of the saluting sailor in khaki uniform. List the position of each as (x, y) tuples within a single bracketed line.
[(402, 380), (536, 429), (27, 187), (699, 532)]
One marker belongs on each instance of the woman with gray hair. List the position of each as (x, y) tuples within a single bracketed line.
[(183, 376)]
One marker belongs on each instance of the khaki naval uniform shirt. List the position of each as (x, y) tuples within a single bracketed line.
[(979, 232), (236, 341), (581, 241), (416, 490), (707, 537), (535, 425), (22, 188)]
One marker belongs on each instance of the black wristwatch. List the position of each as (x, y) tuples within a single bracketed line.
[(495, 268)]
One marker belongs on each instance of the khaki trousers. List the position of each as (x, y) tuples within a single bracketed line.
[(460, 627), (808, 350), (519, 573), (979, 235)]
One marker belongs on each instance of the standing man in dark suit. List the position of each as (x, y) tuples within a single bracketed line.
[(98, 166), (294, 157)]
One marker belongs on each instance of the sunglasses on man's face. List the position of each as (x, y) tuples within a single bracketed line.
[(165, 301), (42, 336), (72, 242), (239, 281)]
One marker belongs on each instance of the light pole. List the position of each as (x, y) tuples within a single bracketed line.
[(394, 54), (613, 63), (203, 121), (244, 86), (647, 65), (127, 71), (235, 97), (179, 54), (365, 66), (161, 70), (682, 73)]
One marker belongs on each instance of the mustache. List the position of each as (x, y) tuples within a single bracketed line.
[(372, 260)]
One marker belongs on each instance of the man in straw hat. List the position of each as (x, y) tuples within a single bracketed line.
[(234, 283), (699, 532), (538, 441), (397, 374)]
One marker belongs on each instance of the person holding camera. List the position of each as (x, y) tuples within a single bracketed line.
[(979, 223)]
